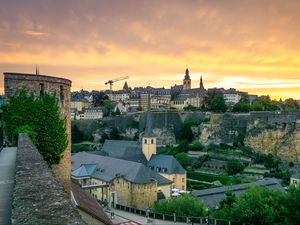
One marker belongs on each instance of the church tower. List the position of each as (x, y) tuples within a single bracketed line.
[(187, 80), (149, 139)]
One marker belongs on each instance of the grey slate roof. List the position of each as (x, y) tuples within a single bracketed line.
[(165, 164), (129, 150), (85, 170), (295, 176), (107, 169), (213, 196)]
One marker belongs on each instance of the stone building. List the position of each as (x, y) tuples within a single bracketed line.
[(145, 152), (183, 95), (60, 87), (116, 181)]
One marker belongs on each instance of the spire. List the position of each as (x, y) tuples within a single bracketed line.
[(201, 84), (187, 74), (125, 87), (148, 130)]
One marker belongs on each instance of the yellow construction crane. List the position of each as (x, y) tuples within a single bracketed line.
[(110, 82)]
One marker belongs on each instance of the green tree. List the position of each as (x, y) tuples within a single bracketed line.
[(184, 205), (27, 130), (264, 104), (114, 134), (99, 99), (292, 203), (108, 107), (234, 167), (77, 135), (183, 159), (260, 206), (291, 104), (183, 146), (104, 136), (218, 104), (186, 133), (242, 106), (197, 146), (42, 116), (117, 112)]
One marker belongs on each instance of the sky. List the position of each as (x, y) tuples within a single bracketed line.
[(251, 45)]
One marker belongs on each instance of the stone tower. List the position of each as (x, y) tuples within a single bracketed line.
[(39, 84), (149, 139), (187, 80)]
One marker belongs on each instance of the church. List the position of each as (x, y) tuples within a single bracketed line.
[(183, 95), (145, 152), (129, 173)]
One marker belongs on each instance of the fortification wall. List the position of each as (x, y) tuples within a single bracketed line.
[(60, 87), (38, 198)]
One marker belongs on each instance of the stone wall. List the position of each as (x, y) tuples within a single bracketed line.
[(38, 197), (59, 87), (133, 195)]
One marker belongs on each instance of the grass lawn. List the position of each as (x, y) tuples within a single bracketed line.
[(225, 180)]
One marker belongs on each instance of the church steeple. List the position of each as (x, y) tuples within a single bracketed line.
[(201, 84), (125, 87), (187, 80), (148, 130), (187, 74), (149, 139)]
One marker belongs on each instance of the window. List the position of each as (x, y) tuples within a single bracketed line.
[(145, 141), (61, 93), (41, 89), (182, 187), (152, 141), (183, 180)]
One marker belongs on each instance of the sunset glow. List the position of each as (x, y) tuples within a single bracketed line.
[(250, 45)]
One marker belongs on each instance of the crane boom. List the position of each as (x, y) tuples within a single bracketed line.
[(110, 82)]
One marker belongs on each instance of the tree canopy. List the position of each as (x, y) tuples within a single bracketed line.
[(40, 118), (262, 206), (218, 104), (184, 205)]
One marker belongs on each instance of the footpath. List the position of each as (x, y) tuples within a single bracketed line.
[(7, 174), (131, 217)]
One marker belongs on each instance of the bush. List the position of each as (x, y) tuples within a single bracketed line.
[(133, 124), (184, 205), (197, 146), (41, 116), (81, 148), (27, 130), (234, 167)]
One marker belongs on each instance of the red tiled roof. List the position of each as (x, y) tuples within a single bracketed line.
[(89, 205)]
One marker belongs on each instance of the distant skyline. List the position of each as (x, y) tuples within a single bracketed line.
[(250, 45)]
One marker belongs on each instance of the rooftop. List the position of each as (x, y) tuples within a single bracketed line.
[(108, 168)]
